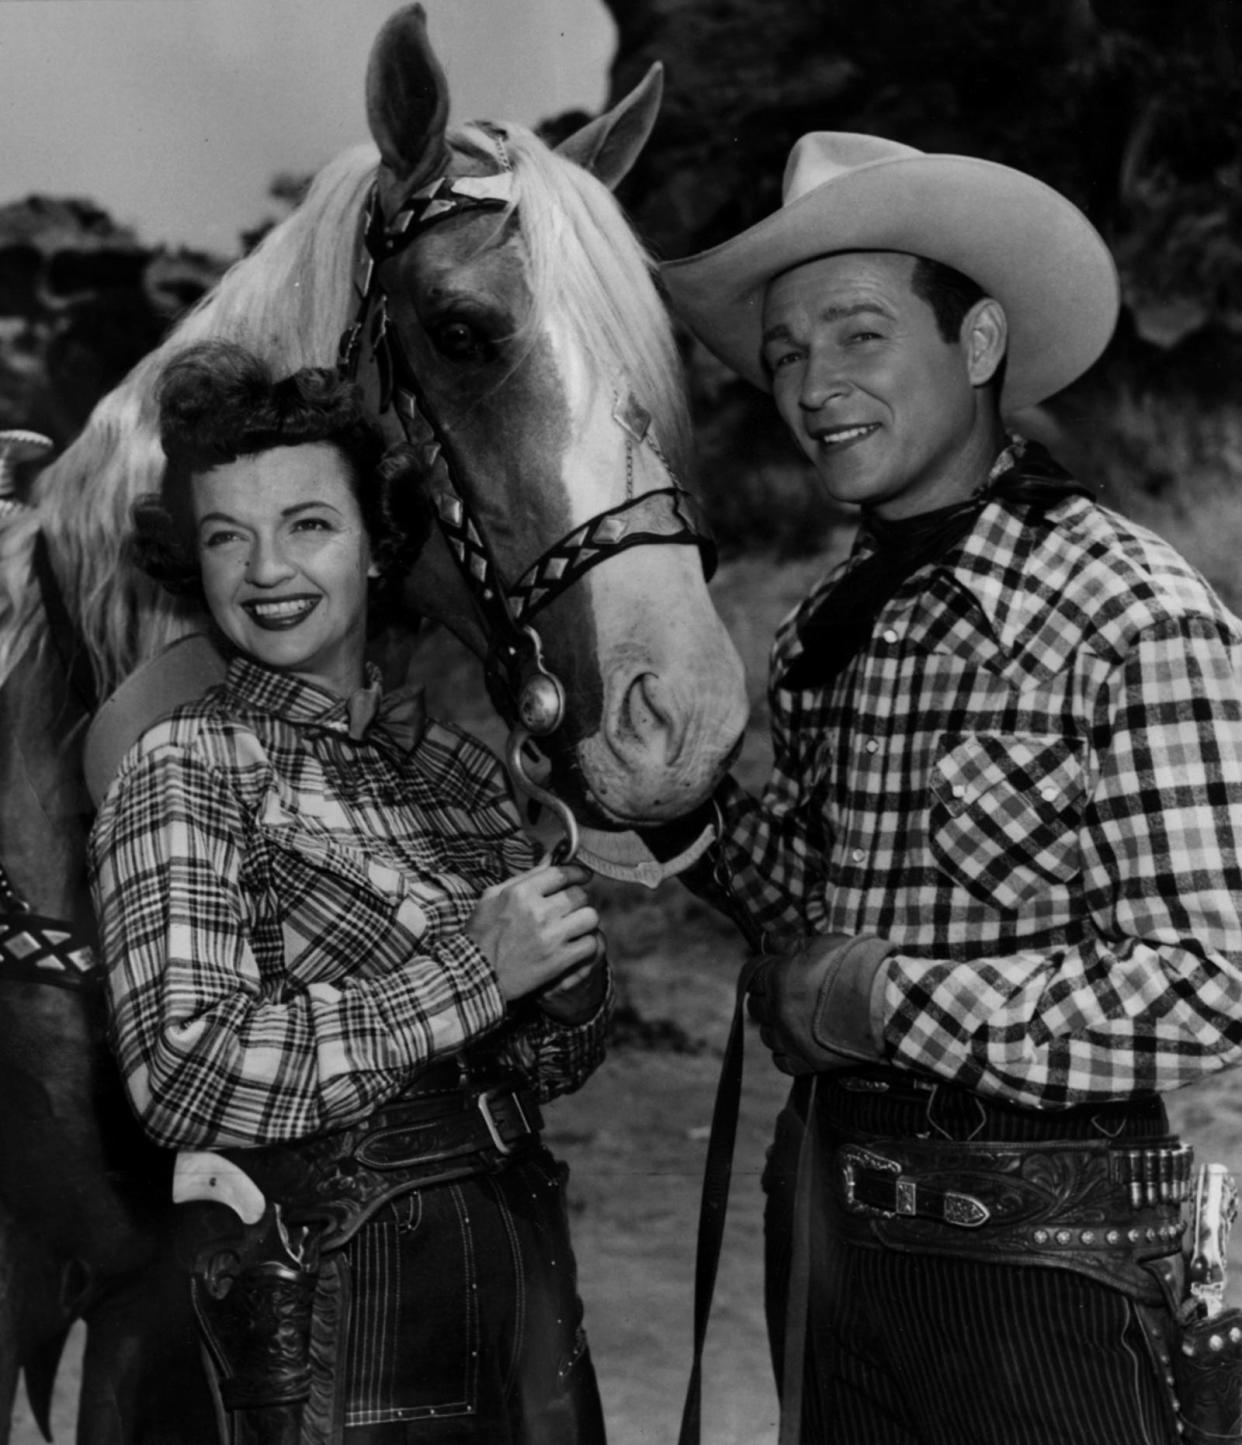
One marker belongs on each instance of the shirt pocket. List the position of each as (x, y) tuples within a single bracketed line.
[(1005, 813), (340, 908)]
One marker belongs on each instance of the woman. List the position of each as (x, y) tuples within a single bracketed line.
[(332, 964)]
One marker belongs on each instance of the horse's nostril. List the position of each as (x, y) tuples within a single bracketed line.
[(645, 713)]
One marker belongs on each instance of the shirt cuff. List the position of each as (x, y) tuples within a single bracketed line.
[(849, 1013), (592, 1029)]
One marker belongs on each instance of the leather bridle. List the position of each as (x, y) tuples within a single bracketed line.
[(526, 693)]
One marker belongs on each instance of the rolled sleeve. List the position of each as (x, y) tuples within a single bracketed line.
[(213, 1049)]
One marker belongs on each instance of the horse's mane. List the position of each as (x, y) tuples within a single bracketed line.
[(289, 300), (604, 284)]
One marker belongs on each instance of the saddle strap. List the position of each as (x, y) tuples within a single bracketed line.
[(35, 949)]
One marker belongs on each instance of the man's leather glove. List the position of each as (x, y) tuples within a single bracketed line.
[(821, 1007)]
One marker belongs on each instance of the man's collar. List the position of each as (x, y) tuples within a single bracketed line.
[(987, 572)]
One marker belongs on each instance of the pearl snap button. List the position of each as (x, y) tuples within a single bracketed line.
[(872, 746), (889, 634), (858, 855)]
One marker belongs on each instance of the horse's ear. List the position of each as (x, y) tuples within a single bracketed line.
[(610, 144), (407, 104)]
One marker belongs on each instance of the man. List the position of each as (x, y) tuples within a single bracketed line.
[(996, 867)]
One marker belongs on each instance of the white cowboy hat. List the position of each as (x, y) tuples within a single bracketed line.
[(1022, 242)]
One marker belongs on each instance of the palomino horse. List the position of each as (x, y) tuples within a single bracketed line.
[(489, 296)]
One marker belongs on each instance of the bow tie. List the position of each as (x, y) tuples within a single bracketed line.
[(400, 714)]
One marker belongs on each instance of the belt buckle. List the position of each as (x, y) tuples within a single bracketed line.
[(483, 1103), (852, 1158), (963, 1211)]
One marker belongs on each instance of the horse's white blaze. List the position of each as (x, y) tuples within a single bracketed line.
[(592, 467), (658, 750), (674, 689), (674, 702)]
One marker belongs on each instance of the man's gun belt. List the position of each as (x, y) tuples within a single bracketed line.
[(1099, 1209)]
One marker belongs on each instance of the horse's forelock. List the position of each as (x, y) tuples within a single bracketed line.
[(587, 264), (289, 300)]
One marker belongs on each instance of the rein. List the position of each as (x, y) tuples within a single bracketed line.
[(522, 687)]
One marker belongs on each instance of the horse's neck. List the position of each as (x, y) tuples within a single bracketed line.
[(44, 809)]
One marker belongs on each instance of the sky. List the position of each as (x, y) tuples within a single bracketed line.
[(174, 115)]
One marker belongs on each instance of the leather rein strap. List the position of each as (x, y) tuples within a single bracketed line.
[(714, 1201)]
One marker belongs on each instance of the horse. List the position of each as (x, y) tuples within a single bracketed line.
[(496, 308)]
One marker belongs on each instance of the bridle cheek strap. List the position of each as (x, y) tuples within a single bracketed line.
[(521, 686)]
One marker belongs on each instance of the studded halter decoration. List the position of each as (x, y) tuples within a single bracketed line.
[(518, 680)]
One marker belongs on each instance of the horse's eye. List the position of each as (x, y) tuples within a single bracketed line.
[(459, 341)]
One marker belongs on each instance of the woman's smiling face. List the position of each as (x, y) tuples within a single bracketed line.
[(285, 558)]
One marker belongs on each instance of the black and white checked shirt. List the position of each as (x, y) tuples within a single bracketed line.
[(1030, 781), (281, 912)]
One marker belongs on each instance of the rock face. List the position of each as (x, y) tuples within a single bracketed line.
[(81, 300)]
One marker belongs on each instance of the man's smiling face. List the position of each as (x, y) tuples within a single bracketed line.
[(883, 406)]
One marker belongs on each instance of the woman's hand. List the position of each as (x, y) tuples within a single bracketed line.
[(535, 928)]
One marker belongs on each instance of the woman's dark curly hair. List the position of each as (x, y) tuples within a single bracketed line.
[(217, 402)]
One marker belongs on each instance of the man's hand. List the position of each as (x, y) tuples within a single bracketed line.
[(815, 1007), (576, 997)]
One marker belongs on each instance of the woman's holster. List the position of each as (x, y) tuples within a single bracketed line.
[(272, 1297), (253, 1293)]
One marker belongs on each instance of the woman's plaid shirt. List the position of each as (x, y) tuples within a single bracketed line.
[(1030, 781), (281, 912)]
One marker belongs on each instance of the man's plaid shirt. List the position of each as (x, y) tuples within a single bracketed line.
[(1030, 782), (281, 912)]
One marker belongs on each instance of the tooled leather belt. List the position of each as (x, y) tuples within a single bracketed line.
[(1100, 1209), (338, 1181)]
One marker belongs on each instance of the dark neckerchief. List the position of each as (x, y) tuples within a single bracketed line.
[(839, 626)]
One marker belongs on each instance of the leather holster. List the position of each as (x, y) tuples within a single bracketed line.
[(253, 1293), (1208, 1370)]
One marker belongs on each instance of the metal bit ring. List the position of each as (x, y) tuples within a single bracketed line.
[(567, 849)]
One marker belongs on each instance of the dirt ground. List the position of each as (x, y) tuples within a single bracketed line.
[(636, 1136)]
